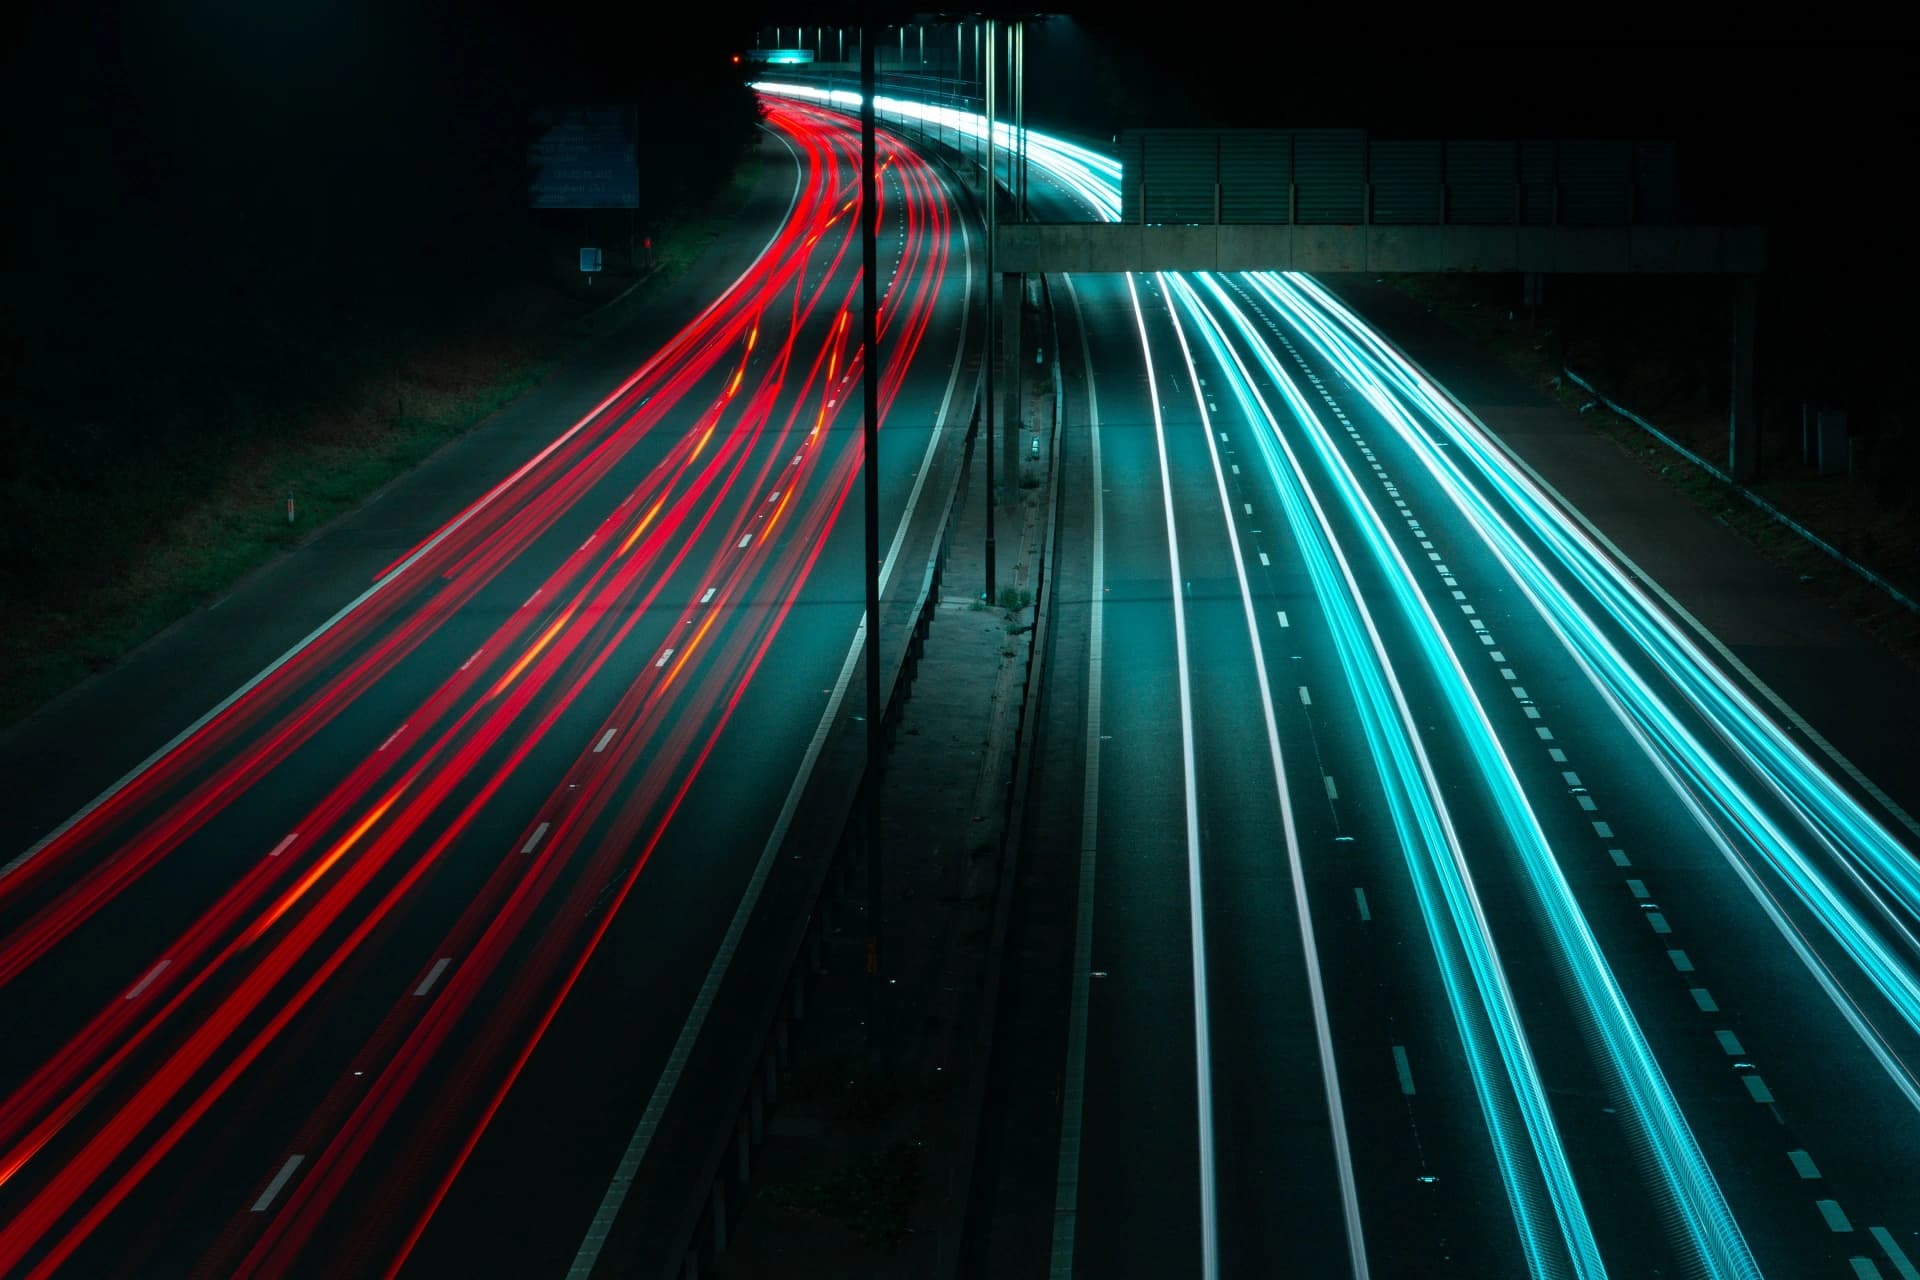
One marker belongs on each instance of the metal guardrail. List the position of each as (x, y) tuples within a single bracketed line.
[(702, 1231), (1813, 539), (1019, 788)]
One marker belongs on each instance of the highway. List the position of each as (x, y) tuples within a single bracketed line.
[(1447, 904), (375, 966)]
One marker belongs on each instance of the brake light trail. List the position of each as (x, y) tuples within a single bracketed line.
[(214, 983)]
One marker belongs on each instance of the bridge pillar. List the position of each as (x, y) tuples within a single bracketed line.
[(1743, 419), (1013, 291)]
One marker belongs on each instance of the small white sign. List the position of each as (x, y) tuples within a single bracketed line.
[(589, 259)]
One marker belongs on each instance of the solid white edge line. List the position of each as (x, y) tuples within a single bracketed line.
[(628, 1169), (1073, 1088), (1202, 1048), (485, 500), (1296, 867)]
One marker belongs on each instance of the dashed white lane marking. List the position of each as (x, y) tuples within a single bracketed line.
[(1703, 998), (433, 975), (1682, 962), (1264, 560), (390, 737), (470, 661), (1803, 1165), (1283, 618), (1864, 1269), (709, 595), (1603, 830), (605, 738), (281, 848), (1333, 792), (1836, 1218), (1248, 507), (1729, 1043), (663, 658), (533, 841), (145, 982), (1895, 1254), (745, 539), (533, 597), (279, 1181), (1360, 900), (1306, 699), (1403, 1069), (1638, 888)]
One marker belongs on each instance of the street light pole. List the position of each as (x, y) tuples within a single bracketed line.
[(869, 465), (988, 358)]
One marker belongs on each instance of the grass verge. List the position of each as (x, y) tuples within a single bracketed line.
[(1832, 507), (206, 527)]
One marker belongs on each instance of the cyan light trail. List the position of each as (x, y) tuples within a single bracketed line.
[(1555, 1236), (1689, 1185), (1867, 900), (1866, 854)]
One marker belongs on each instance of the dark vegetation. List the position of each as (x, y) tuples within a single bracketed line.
[(258, 245)]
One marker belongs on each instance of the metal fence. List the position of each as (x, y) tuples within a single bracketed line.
[(1200, 177)]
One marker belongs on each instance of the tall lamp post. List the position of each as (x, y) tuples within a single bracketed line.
[(870, 469)]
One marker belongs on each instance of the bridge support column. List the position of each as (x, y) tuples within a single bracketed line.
[(1743, 418), (1013, 291)]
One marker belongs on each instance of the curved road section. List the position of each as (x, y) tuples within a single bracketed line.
[(373, 968), (1448, 903)]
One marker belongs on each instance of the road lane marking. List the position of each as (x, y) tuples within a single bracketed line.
[(433, 975), (145, 982), (1329, 1072), (1895, 1254), (281, 848), (279, 1181), (1333, 792), (587, 1256), (1682, 962), (744, 540), (605, 738), (1264, 560), (1283, 618), (1196, 915), (1306, 699), (1403, 1069), (1835, 1216), (1803, 1165), (1067, 1185), (1360, 900), (390, 737), (709, 595), (663, 658), (1703, 998), (533, 841), (1730, 1043), (1638, 888)]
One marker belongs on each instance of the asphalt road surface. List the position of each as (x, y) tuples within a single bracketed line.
[(1447, 906), (376, 965)]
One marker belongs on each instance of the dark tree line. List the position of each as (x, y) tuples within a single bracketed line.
[(219, 214)]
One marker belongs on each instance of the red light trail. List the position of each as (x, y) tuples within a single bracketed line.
[(654, 627)]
